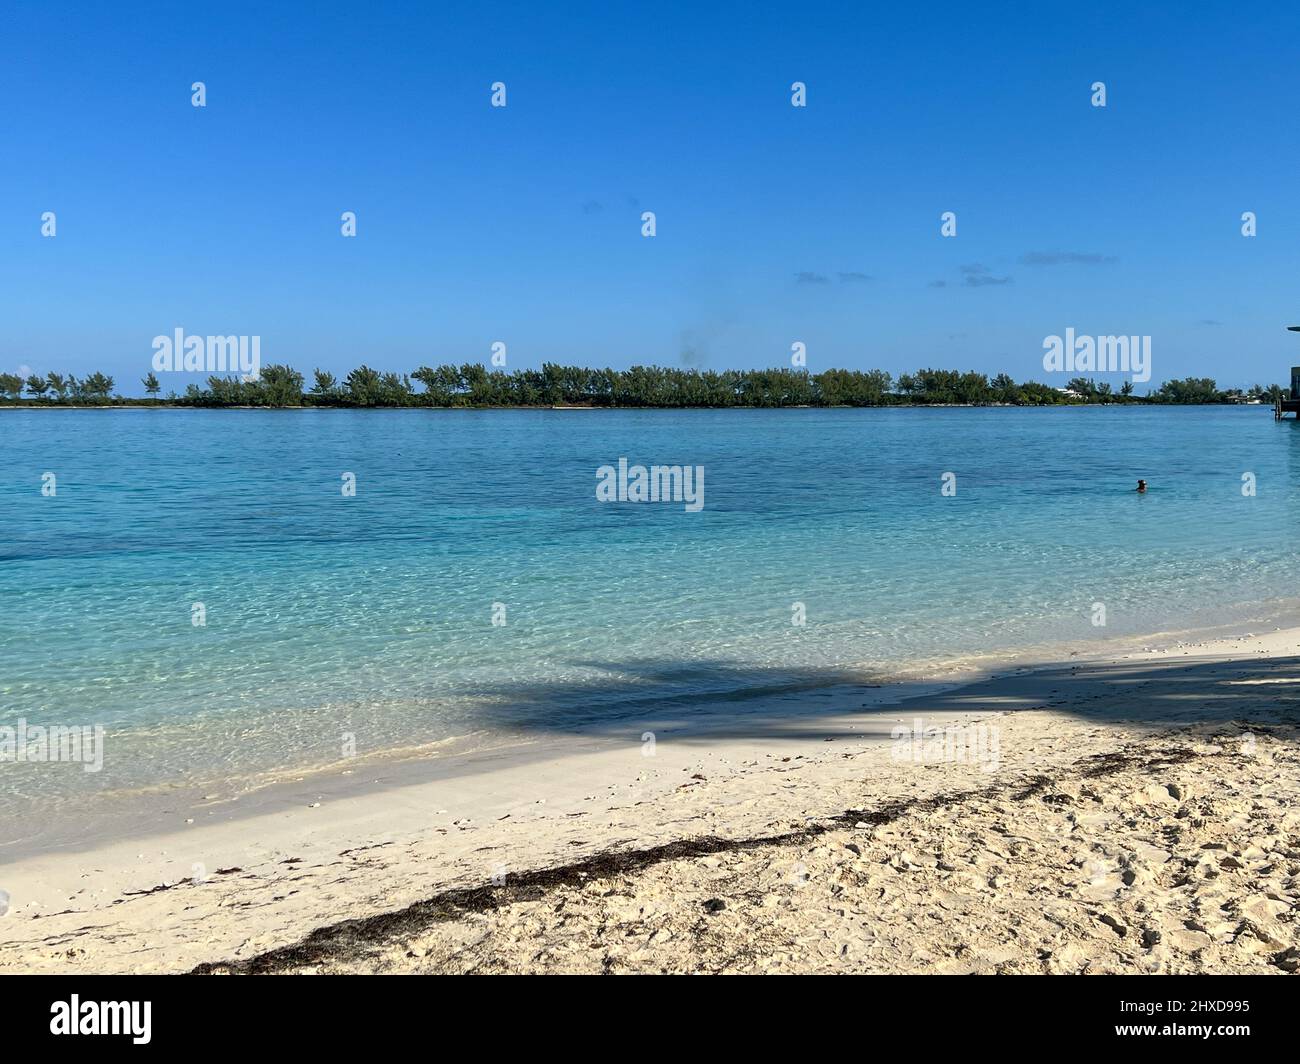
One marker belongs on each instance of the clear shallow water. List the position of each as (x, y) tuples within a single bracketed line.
[(372, 615)]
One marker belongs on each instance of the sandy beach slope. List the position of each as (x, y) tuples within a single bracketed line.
[(1138, 813)]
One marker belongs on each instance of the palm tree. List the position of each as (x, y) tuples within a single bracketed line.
[(37, 386), (151, 385), (58, 384)]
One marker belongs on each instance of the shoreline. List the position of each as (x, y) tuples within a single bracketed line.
[(182, 806), (238, 887)]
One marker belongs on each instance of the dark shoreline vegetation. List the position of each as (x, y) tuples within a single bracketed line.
[(476, 386)]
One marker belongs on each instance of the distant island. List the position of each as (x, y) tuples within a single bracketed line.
[(476, 386)]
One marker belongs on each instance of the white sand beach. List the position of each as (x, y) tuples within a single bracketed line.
[(1138, 812)]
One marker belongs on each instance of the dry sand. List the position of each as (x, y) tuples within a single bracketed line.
[(1142, 814)]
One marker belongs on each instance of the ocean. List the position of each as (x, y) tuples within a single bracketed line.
[(202, 586)]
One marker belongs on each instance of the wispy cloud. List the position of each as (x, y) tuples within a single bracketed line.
[(1063, 258), (844, 277), (978, 275)]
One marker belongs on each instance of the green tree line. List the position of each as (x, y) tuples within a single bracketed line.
[(96, 388), (476, 385)]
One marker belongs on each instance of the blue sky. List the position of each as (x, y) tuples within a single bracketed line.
[(522, 224)]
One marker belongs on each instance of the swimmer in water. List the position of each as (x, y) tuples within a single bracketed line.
[(1142, 487)]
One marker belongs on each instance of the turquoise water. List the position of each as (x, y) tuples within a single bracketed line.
[(373, 614)]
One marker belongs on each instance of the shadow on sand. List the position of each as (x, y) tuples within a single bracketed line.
[(725, 702)]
